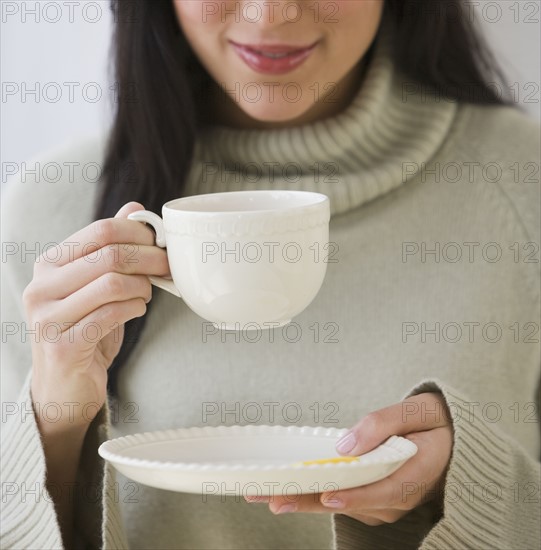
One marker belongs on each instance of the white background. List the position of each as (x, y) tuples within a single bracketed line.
[(75, 49)]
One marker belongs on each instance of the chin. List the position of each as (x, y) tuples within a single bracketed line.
[(276, 112)]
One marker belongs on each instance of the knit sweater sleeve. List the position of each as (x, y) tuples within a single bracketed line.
[(491, 493), (29, 518), (492, 485), (28, 514)]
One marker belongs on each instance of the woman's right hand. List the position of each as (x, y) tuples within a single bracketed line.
[(79, 305)]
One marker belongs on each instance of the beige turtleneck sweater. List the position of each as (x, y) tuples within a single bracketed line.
[(407, 174)]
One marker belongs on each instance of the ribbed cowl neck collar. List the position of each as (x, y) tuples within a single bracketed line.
[(375, 145)]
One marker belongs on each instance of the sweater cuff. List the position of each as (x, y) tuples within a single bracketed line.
[(28, 513), (490, 496), (27, 509), (491, 491), (91, 506), (98, 522), (406, 534), (112, 528)]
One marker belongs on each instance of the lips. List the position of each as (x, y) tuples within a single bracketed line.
[(273, 59)]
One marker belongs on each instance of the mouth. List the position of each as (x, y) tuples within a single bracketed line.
[(273, 59)]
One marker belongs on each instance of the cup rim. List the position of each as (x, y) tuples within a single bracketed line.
[(319, 200)]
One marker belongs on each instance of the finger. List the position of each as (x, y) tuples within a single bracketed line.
[(413, 483), (421, 412), (378, 517), (128, 259), (367, 520), (424, 478), (297, 503), (97, 235), (128, 209), (104, 320), (279, 504), (314, 504), (255, 498), (378, 495), (78, 340), (110, 287)]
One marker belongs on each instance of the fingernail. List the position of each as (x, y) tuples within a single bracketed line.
[(287, 508), (256, 498), (347, 443), (333, 502)]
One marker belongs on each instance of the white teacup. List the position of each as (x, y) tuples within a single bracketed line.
[(247, 259)]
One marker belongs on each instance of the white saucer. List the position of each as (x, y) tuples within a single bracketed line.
[(249, 460)]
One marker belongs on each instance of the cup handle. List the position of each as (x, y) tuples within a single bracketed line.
[(156, 222)]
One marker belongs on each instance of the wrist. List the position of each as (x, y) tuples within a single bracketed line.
[(58, 411), (74, 429), (63, 417)]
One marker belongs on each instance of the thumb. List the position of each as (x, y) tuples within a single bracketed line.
[(128, 209), (425, 411)]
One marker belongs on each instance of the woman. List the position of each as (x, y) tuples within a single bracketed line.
[(425, 325)]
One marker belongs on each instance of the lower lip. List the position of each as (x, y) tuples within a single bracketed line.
[(267, 65)]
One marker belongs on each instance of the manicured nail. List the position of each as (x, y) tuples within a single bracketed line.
[(346, 443), (287, 508), (333, 502)]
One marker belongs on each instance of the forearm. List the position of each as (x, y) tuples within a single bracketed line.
[(485, 468), (62, 447)]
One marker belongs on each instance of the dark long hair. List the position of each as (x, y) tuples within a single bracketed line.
[(149, 150)]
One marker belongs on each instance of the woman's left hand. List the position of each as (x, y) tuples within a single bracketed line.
[(423, 419)]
